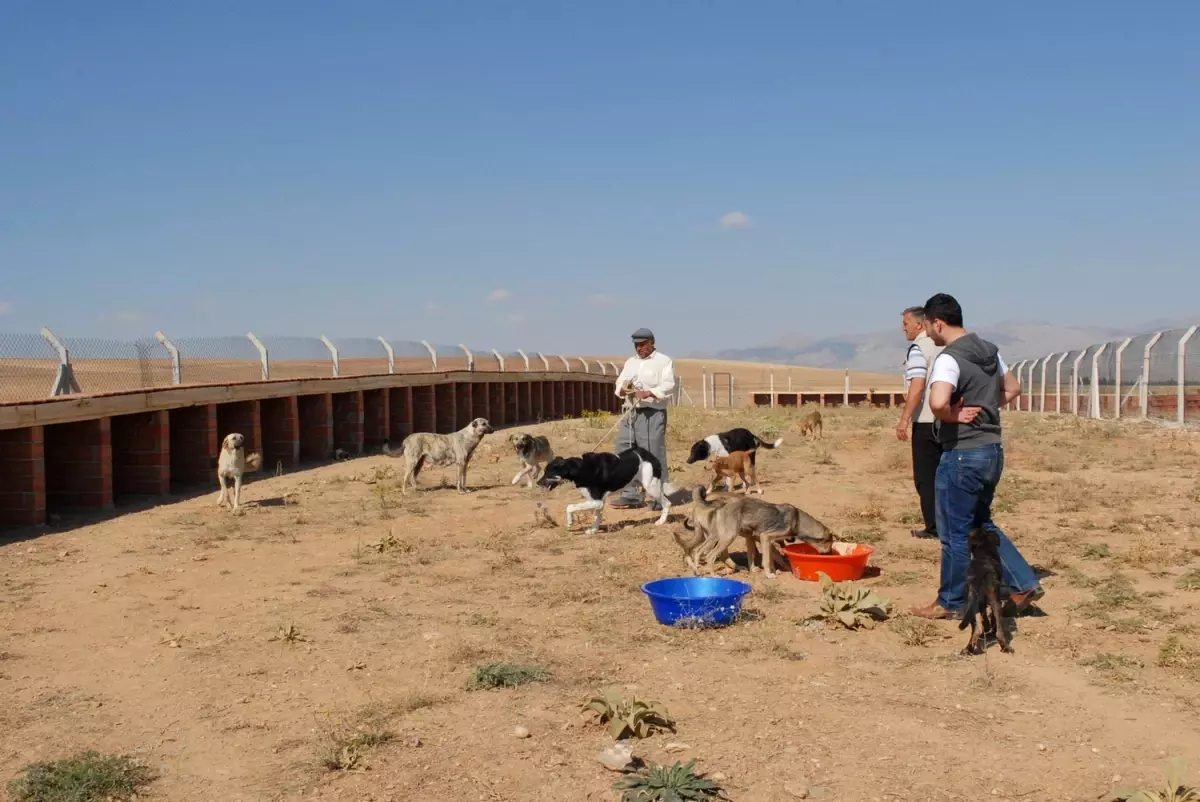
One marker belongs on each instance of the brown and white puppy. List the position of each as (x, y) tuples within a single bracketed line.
[(811, 425), (754, 519), (533, 450), (232, 464), (737, 464), (455, 449)]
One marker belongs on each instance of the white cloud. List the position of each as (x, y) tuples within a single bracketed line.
[(515, 317), (125, 316), (734, 220), (600, 299), (6, 307), (497, 295)]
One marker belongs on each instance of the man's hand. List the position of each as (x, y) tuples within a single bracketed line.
[(643, 395), (964, 414), (902, 427)]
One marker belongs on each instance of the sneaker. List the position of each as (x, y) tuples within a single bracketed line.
[(1018, 603), (625, 504)]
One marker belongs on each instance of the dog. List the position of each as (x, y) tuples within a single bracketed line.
[(811, 425), (736, 464), (533, 450), (754, 519), (232, 464), (440, 449), (725, 443), (598, 474), (695, 533), (983, 592)]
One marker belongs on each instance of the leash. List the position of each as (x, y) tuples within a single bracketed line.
[(627, 413)]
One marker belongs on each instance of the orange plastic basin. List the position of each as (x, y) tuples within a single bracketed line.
[(807, 561)]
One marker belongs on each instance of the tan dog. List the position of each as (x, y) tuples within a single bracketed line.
[(753, 519), (232, 464), (440, 449), (811, 425), (736, 464), (696, 530)]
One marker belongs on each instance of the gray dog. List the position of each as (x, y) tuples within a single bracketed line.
[(440, 449)]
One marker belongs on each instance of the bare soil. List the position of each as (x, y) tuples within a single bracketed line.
[(236, 655)]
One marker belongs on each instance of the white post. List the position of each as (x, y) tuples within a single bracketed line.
[(846, 389), (1058, 382), (64, 381), (470, 356), (1144, 393), (789, 382), (524, 358), (334, 354), (391, 354), (545, 362), (1016, 369), (1094, 394), (1042, 392), (1075, 381), (603, 370), (583, 362), (262, 355), (1181, 370), (432, 353), (1117, 390), (616, 370), (176, 371), (499, 359), (566, 364), (771, 388), (704, 385), (1032, 365)]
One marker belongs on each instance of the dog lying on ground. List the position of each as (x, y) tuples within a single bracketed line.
[(455, 449), (725, 443), (738, 464), (533, 450), (232, 464), (811, 425), (983, 592), (754, 519), (598, 474)]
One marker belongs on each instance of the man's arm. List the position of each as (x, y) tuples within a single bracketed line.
[(625, 375), (914, 372), (939, 401), (1012, 387), (666, 382)]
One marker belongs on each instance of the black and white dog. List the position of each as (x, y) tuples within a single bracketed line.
[(723, 444), (597, 474)]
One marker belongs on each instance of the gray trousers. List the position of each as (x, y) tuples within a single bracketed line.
[(647, 428)]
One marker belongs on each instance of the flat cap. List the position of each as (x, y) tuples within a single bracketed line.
[(643, 334)]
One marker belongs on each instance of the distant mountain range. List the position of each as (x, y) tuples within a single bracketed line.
[(883, 351)]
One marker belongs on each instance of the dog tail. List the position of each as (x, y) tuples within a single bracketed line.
[(254, 462), (764, 444), (388, 451)]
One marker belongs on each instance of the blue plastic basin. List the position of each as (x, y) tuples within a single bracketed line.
[(695, 601)]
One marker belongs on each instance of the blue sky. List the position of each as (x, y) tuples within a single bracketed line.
[(554, 175)]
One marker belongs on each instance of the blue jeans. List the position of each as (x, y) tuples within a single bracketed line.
[(965, 485)]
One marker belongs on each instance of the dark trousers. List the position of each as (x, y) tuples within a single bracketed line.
[(926, 453)]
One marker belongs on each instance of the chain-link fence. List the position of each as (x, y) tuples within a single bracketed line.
[(39, 366), (1153, 375)]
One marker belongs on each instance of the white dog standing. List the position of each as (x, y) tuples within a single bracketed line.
[(232, 464)]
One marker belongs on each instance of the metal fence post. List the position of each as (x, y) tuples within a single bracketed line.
[(337, 368), (771, 387), (432, 353), (603, 370), (387, 346), (1032, 365), (1094, 389), (1042, 391), (1181, 370), (566, 364), (499, 359), (583, 362), (1075, 381), (704, 385), (1144, 393), (1117, 391), (525, 358), (1016, 370), (64, 380), (616, 370), (176, 372), (1058, 382), (470, 356), (262, 355), (845, 389), (545, 362)]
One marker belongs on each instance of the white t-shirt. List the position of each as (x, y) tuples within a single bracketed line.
[(914, 364), (945, 369)]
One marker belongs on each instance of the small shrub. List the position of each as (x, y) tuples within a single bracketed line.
[(1174, 791), (675, 784), (1189, 581), (85, 777), (628, 717), (1096, 551), (851, 605), (1175, 654), (344, 750), (504, 675), (914, 631)]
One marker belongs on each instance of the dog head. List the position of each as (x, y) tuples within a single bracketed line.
[(480, 427), (984, 541), (700, 451), (559, 470), (699, 494), (233, 442), (689, 540), (521, 442)]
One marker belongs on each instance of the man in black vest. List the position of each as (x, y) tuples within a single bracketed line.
[(967, 385)]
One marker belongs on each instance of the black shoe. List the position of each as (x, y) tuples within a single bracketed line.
[(622, 504), (925, 534), (656, 507)]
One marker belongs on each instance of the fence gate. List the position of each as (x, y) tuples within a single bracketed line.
[(712, 388)]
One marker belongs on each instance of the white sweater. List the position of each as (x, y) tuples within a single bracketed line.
[(656, 373)]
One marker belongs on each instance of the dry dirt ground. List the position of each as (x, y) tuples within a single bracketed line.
[(160, 633)]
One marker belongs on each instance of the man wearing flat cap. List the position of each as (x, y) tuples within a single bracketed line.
[(647, 380)]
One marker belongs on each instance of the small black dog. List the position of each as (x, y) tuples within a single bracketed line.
[(983, 591)]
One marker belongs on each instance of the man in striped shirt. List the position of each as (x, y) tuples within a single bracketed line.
[(926, 451)]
